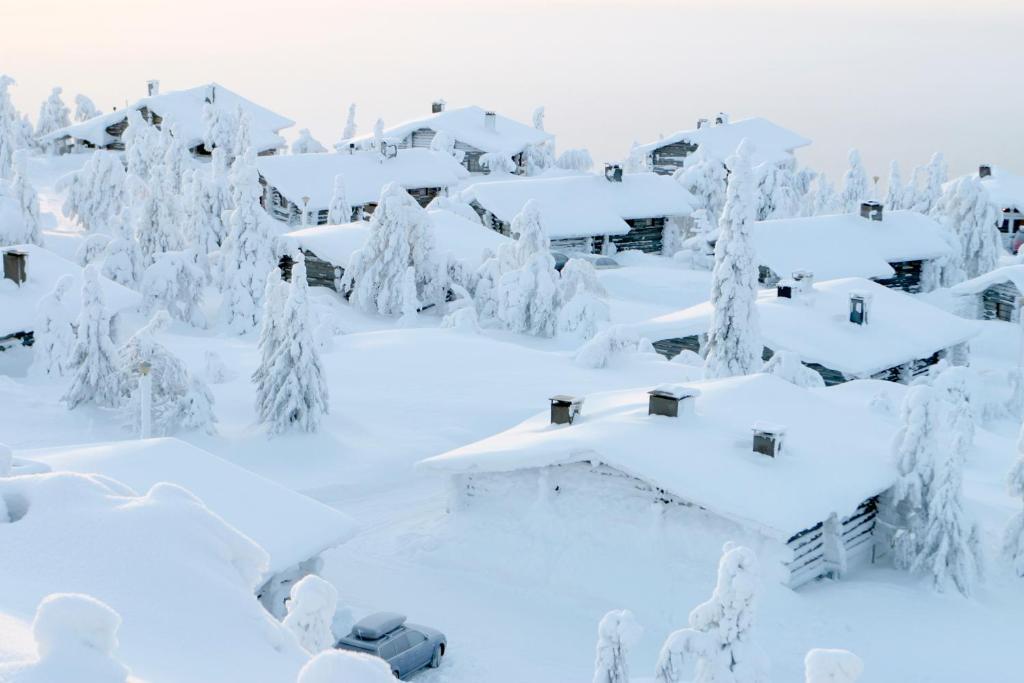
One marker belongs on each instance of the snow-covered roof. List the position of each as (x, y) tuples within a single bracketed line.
[(1005, 189), (846, 245), (1013, 274), (772, 143), (465, 240), (706, 456), (289, 526), (184, 109), (816, 326), (467, 125), (42, 269), (584, 205), (366, 173)]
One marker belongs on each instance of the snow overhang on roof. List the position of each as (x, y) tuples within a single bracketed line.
[(1013, 274), (771, 143), (1005, 190), (707, 458)]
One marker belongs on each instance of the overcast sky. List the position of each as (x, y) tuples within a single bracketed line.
[(897, 79)]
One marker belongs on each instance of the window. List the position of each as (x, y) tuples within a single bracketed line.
[(397, 645), (415, 638)]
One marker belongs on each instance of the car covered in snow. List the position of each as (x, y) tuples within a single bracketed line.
[(406, 647)]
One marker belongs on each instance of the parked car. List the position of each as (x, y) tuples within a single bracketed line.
[(407, 648)]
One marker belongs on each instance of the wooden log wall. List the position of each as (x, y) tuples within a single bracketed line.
[(906, 278), (809, 560), (666, 160), (1001, 302)]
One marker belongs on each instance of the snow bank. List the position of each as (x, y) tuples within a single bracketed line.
[(342, 666), (772, 143), (832, 666)]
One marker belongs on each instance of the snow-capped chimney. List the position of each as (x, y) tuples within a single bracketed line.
[(800, 284), (613, 173), (490, 120), (984, 171), (437, 106), (153, 87), (564, 409), (784, 290), (671, 400), (859, 302), (701, 123), (14, 266), (804, 280), (721, 118), (871, 210), (768, 439)]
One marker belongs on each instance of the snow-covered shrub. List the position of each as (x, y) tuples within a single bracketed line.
[(787, 365), (93, 362), (776, 192), (688, 358), (339, 211), (575, 160), (462, 320), (497, 162), (344, 666), (174, 283), (734, 338), (704, 178), (832, 666), (720, 639), (54, 332), (695, 250), (53, 114), (445, 144), (528, 298), (307, 144), (84, 108), (95, 193), (584, 311), (1013, 537), (442, 203), (28, 203), (856, 187), (616, 633), (311, 608), (215, 370), (605, 345)]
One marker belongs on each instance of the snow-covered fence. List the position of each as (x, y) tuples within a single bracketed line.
[(815, 549)]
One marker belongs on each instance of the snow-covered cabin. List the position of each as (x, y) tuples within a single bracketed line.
[(473, 130), (588, 212), (995, 295), (719, 139), (328, 248), (38, 270), (294, 181), (1006, 192), (756, 450), (850, 328), (292, 528), (184, 110), (890, 247)]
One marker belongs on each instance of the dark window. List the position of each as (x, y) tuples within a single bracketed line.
[(1004, 311), (415, 638)]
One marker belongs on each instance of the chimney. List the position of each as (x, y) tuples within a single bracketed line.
[(784, 290), (701, 123), (670, 400), (437, 106), (871, 210), (768, 439), (490, 120), (859, 307), (721, 118), (153, 87), (613, 173), (984, 171), (804, 280), (14, 266), (564, 409)]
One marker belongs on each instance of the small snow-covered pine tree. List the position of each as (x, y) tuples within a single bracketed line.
[(173, 282), (53, 114), (339, 211), (734, 339), (84, 108), (350, 129), (28, 203), (895, 192), (96, 192), (575, 160), (528, 292), (928, 197), (787, 366), (54, 332), (122, 257), (141, 145), (378, 131), (616, 633), (822, 199), (953, 385), (777, 196), (966, 211), (856, 188), (157, 219), (93, 362), (310, 612), (275, 294), (704, 178), (204, 208), (538, 118), (584, 311), (307, 144), (1013, 537)]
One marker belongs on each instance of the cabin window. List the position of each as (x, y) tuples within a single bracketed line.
[(1004, 310)]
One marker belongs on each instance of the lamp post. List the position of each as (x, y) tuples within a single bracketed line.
[(145, 399)]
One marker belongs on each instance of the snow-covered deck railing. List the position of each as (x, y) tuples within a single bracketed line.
[(706, 457), (816, 326), (584, 205), (772, 143)]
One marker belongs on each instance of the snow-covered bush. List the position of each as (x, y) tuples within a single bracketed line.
[(95, 193), (343, 666), (832, 666), (575, 160), (339, 211), (528, 296), (787, 365), (704, 178), (462, 209), (311, 606), (307, 144), (734, 338), (93, 362), (583, 312), (54, 333), (497, 162), (1013, 537), (616, 633), (720, 639), (776, 193), (856, 187), (696, 249), (53, 114), (175, 283), (84, 108), (613, 341), (462, 320), (28, 204)]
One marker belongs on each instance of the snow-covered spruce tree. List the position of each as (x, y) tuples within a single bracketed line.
[(176, 160), (636, 162), (180, 400), (967, 211), (720, 638), (822, 200), (296, 389), (528, 296), (28, 202), (91, 249), (122, 257), (1013, 537), (339, 211), (275, 294), (401, 235), (310, 612), (953, 385), (832, 666), (497, 162), (53, 114), (378, 131), (93, 362), (616, 633), (141, 145), (242, 142), (219, 129), (856, 187), (803, 181), (84, 108), (928, 197), (538, 118), (173, 282), (94, 193), (777, 197), (734, 339), (350, 129), (204, 208), (11, 137), (54, 333), (584, 310), (157, 219), (786, 365), (705, 179), (697, 250), (575, 160), (307, 144), (895, 192)]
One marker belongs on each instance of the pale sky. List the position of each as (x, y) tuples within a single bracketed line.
[(897, 79)]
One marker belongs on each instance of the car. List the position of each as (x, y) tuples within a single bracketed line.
[(406, 648)]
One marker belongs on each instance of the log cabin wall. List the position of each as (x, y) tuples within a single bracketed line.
[(1001, 302), (668, 159)]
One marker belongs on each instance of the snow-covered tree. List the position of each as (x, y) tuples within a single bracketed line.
[(953, 385), (720, 639), (242, 141), (616, 633), (378, 131), (343, 666), (311, 605), (157, 224), (538, 118), (307, 144), (575, 160), (401, 235), (174, 283), (856, 187), (349, 131), (695, 248), (275, 294), (734, 339), (1013, 537), (832, 666), (776, 194), (94, 193), (295, 388), (84, 108), (12, 135), (177, 161), (928, 196), (528, 295), (141, 145), (91, 249), (966, 211), (28, 203), (54, 332), (584, 311), (895, 193), (204, 206), (93, 362), (122, 257), (497, 162), (822, 199), (339, 211), (705, 179), (53, 114), (219, 125), (410, 300), (636, 162), (787, 365)]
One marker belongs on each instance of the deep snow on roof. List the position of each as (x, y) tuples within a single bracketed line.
[(706, 457), (466, 125), (846, 245), (1013, 274), (365, 172), (465, 240), (289, 526), (772, 143), (1005, 189), (816, 326), (584, 205), (43, 268), (184, 109)]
